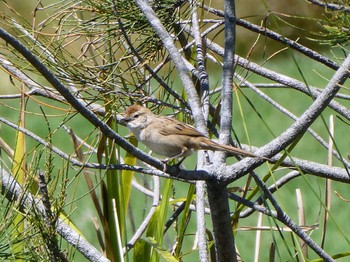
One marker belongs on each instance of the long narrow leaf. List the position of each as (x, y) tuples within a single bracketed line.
[(18, 169), (127, 175), (156, 226), (160, 250)]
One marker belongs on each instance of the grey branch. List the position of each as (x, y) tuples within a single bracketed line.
[(291, 115), (299, 127), (146, 221), (178, 61), (330, 6), (204, 87), (279, 78), (279, 38)]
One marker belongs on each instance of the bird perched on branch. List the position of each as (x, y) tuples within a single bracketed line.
[(169, 137)]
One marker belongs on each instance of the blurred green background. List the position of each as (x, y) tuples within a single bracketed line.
[(286, 62)]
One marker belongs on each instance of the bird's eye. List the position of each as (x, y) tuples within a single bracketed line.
[(136, 116)]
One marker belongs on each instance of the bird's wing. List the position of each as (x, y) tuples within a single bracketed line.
[(170, 126)]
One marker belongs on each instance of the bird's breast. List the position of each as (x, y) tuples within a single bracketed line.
[(160, 144)]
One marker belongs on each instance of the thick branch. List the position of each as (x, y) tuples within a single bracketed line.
[(227, 77), (204, 90), (174, 171), (220, 211), (300, 126), (217, 196), (178, 61)]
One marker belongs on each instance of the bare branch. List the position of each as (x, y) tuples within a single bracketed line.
[(227, 76), (330, 6), (278, 185), (204, 89), (291, 115), (178, 61), (220, 215), (282, 216), (279, 78), (145, 222), (217, 196), (279, 38), (300, 126)]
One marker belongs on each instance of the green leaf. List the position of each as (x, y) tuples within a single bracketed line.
[(128, 175), (19, 171), (157, 247), (155, 229)]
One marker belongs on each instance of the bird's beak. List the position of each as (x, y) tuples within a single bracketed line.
[(122, 119)]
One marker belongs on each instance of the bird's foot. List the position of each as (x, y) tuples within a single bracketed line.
[(165, 162)]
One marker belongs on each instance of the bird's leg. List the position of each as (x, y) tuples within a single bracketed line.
[(182, 153), (207, 157), (166, 160), (180, 162)]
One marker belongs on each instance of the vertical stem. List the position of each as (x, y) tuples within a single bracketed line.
[(204, 93), (228, 71), (201, 225), (217, 194), (220, 215)]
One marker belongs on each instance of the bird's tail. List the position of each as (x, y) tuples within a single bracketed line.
[(213, 146)]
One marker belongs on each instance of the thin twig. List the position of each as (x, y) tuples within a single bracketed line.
[(39, 90), (275, 86), (279, 78), (330, 6), (283, 217), (328, 186), (291, 115), (146, 221), (279, 38), (273, 188), (149, 193)]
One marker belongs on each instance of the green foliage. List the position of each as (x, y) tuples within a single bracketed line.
[(336, 24)]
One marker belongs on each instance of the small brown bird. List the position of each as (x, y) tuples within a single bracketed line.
[(169, 137)]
